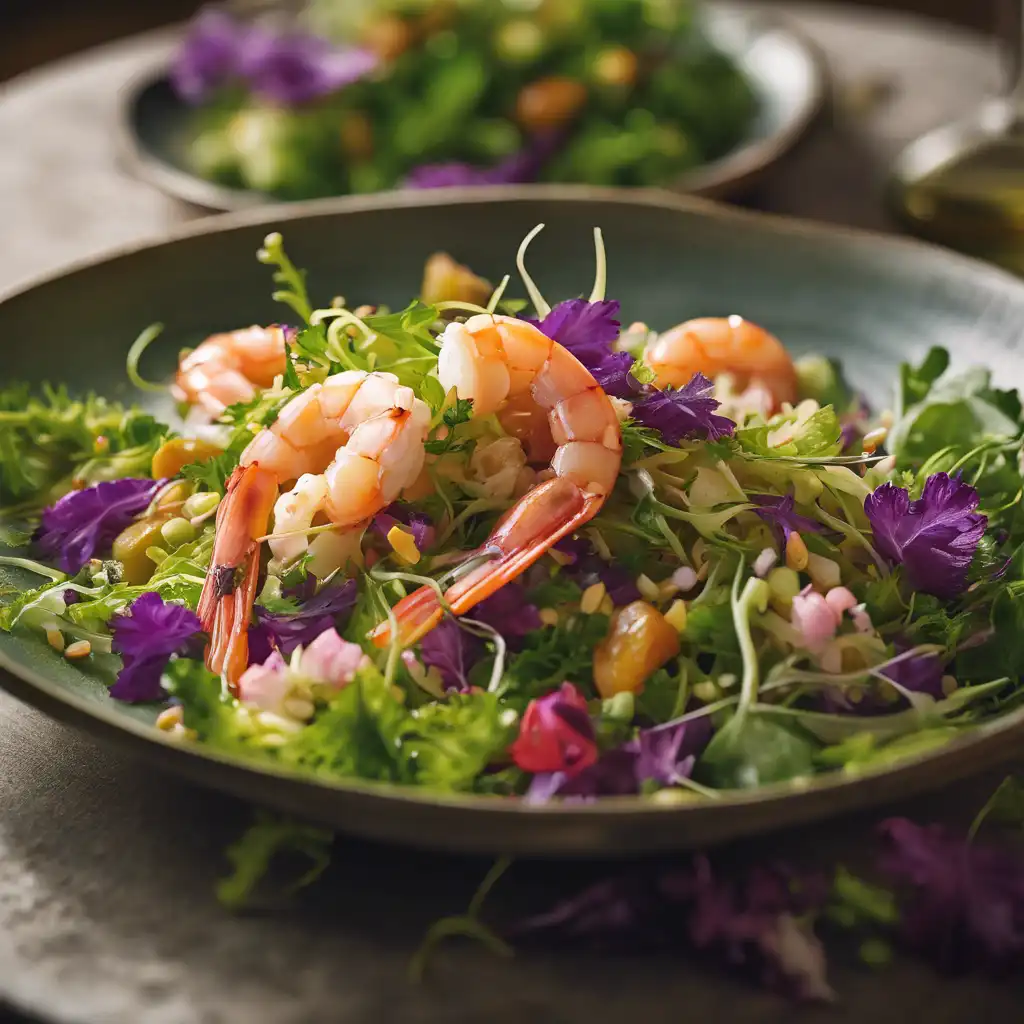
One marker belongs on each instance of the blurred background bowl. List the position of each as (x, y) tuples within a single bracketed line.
[(783, 72)]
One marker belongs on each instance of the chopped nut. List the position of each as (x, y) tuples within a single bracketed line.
[(404, 545), (824, 572), (79, 649), (648, 588), (706, 691), (874, 438), (298, 708), (170, 717), (549, 616), (796, 552), (592, 597), (55, 638), (676, 616)]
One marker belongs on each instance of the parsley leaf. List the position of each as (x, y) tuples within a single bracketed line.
[(551, 656), (409, 327)]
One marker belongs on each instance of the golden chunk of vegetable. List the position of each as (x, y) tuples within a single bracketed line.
[(444, 280), (172, 455), (638, 643)]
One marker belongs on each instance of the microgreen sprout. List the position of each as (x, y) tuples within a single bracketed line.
[(139, 346), (541, 306)]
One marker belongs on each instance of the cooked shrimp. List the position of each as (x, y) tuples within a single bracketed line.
[(369, 433), (492, 360), (229, 368), (715, 346)]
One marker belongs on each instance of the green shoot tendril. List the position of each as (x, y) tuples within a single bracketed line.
[(139, 346), (539, 303)]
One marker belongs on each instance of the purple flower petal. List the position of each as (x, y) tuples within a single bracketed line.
[(755, 923), (933, 538), (964, 901), (146, 638), (921, 673), (586, 329), (779, 513), (209, 56), (665, 754), (288, 631), (684, 412), (613, 774), (453, 652), (589, 568), (612, 373), (87, 521), (293, 68), (520, 168), (508, 611)]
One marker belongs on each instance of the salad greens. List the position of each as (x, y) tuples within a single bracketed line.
[(769, 592), (370, 96)]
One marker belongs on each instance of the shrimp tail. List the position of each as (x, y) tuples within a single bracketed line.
[(531, 527), (225, 605), (416, 616)]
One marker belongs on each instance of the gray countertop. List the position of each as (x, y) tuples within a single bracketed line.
[(107, 868)]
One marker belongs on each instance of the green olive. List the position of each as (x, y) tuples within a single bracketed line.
[(173, 497), (176, 532), (131, 545), (200, 504)]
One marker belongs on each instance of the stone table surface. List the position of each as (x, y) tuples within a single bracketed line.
[(107, 914)]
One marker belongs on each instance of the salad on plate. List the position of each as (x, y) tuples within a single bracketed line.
[(495, 546)]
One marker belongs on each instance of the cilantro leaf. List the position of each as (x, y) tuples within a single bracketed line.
[(915, 382), (291, 375), (453, 416), (312, 342), (949, 412), (409, 327)]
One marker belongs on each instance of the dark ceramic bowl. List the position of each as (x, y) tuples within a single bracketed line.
[(785, 70), (871, 300)]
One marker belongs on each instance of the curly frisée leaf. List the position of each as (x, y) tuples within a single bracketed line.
[(50, 441)]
